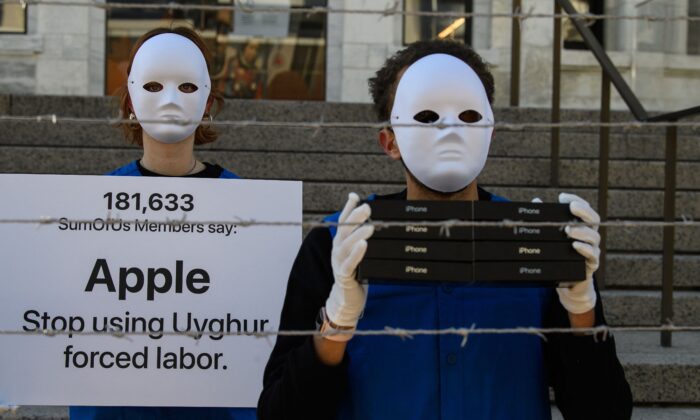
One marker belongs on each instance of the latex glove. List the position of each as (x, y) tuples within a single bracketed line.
[(581, 297), (347, 299)]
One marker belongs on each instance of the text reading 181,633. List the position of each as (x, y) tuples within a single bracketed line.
[(153, 202)]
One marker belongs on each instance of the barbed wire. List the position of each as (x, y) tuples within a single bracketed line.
[(392, 9), (321, 124), (445, 225), (602, 331)]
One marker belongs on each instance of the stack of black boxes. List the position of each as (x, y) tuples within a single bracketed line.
[(462, 254)]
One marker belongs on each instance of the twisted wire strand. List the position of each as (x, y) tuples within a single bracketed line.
[(626, 125), (391, 10), (444, 224), (601, 331)]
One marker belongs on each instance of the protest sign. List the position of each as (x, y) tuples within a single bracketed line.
[(111, 270)]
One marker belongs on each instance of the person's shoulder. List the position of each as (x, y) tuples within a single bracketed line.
[(226, 174), (485, 195), (130, 169)]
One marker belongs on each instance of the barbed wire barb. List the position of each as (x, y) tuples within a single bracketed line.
[(403, 333), (321, 123), (238, 6), (443, 225)]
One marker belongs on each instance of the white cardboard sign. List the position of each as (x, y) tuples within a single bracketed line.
[(88, 275)]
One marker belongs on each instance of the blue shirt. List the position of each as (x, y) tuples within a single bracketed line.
[(435, 377)]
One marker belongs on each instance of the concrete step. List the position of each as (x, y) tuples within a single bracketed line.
[(656, 375), (337, 167), (639, 413), (35, 412), (628, 204), (661, 374), (301, 111), (530, 143), (644, 271), (632, 307), (653, 413)]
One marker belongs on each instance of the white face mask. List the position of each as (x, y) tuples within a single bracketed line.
[(442, 89), (169, 80)]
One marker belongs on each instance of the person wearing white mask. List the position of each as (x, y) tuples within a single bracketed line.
[(168, 79), (437, 97)]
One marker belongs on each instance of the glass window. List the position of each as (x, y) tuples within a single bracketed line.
[(422, 28), (571, 37), (256, 55), (13, 18)]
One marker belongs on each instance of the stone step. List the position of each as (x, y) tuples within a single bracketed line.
[(632, 307), (644, 271), (639, 413), (653, 413), (327, 197), (661, 374), (331, 167), (261, 110), (338, 167), (657, 375), (529, 143)]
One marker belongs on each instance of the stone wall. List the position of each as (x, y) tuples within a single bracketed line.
[(62, 53)]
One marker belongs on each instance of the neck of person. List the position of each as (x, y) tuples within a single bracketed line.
[(415, 190), (171, 159)]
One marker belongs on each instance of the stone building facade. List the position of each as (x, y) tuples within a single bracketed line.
[(63, 52)]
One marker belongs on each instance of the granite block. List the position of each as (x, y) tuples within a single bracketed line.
[(86, 107), (644, 271), (69, 161), (5, 101), (35, 412), (17, 69), (644, 307), (661, 374), (59, 135), (629, 174), (626, 204), (640, 238)]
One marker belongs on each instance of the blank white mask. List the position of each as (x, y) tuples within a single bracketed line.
[(436, 90), (169, 80)]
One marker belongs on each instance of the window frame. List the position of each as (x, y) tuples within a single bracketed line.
[(24, 32), (468, 24)]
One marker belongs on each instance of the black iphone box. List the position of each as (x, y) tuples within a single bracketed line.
[(418, 231), (528, 212), (397, 271), (420, 210), (409, 249), (508, 272), (469, 211)]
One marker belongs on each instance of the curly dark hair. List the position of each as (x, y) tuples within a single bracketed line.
[(383, 85)]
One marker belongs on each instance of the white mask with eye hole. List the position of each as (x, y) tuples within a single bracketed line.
[(446, 99), (169, 80)]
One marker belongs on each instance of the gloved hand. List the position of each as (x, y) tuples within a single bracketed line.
[(347, 299), (581, 297)]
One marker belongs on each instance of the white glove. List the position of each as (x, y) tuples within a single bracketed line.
[(581, 297), (347, 298)]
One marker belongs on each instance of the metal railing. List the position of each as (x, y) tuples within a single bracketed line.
[(610, 75)]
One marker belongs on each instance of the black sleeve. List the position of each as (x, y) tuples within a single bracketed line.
[(587, 377), (296, 385)]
